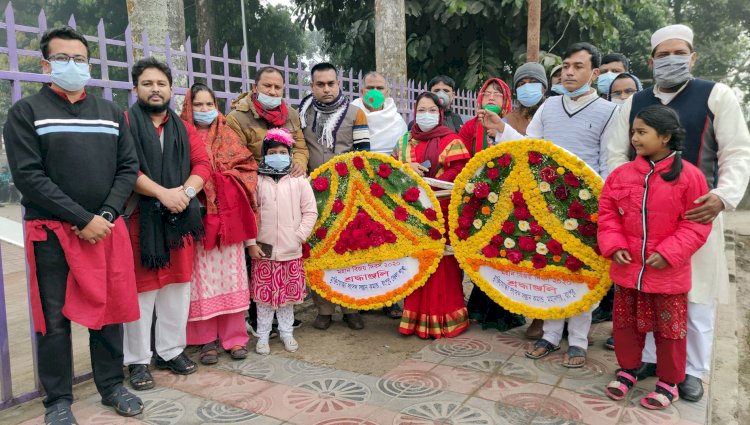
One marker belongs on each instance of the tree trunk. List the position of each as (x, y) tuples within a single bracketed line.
[(390, 40), (205, 21), (532, 36)]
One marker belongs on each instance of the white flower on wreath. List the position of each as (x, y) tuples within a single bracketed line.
[(544, 187), (523, 226), (570, 224), (478, 224), (509, 243), (469, 187), (584, 194), (541, 248), (492, 197)]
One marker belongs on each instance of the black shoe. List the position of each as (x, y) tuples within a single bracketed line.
[(180, 365), (140, 377), (600, 314), (610, 343), (645, 371), (691, 389), (322, 322), (124, 402), (355, 322), (59, 414)]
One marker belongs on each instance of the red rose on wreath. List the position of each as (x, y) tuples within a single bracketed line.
[(358, 162), (493, 173), (400, 213), (527, 243), (554, 247), (384, 170), (337, 206), (517, 199), (475, 202), (305, 250), (435, 233), (481, 190), (535, 158), (561, 193), (503, 161), (321, 233), (462, 233), (548, 174), (341, 246), (587, 229), (576, 210), (411, 194), (341, 169), (389, 236), (539, 261), (571, 180), (490, 251), (320, 184), (535, 229), (376, 190), (430, 214), (497, 240), (509, 227), (514, 256), (522, 213), (572, 263), (468, 211), (464, 222)]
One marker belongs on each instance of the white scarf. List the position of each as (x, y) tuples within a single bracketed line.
[(386, 126)]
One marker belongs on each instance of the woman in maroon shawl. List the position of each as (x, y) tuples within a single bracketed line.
[(219, 292), (437, 309)]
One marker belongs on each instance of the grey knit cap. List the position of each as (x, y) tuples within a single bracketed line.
[(530, 70)]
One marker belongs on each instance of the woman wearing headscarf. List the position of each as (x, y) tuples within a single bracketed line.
[(431, 149), (219, 292), (494, 96)]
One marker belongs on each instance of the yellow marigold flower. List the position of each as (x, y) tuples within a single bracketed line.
[(490, 164), (560, 170)]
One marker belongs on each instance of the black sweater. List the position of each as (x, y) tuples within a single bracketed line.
[(70, 160)]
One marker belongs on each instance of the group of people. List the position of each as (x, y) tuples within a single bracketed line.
[(189, 227)]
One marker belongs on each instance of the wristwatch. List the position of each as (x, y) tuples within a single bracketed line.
[(190, 192), (107, 216)]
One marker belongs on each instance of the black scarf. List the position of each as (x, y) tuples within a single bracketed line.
[(161, 230)]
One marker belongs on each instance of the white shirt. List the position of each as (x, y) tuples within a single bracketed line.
[(386, 126), (731, 132)]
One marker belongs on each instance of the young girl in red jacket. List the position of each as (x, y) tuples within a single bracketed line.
[(643, 229)]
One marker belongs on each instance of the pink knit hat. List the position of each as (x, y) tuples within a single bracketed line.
[(280, 135)]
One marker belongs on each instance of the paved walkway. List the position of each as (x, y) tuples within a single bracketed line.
[(479, 378)]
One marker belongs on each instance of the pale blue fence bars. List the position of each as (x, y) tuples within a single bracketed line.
[(112, 59)]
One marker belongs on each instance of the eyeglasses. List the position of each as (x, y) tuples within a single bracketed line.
[(492, 94), (62, 58), (619, 93)]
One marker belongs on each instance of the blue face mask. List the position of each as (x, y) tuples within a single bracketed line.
[(277, 161), (205, 118), (558, 88), (269, 102), (70, 76), (529, 94), (604, 81), (579, 91)]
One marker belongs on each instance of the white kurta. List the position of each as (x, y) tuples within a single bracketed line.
[(710, 272), (386, 126)]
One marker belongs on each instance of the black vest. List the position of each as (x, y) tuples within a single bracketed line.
[(700, 147)]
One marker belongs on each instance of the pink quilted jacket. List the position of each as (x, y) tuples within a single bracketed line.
[(660, 227)]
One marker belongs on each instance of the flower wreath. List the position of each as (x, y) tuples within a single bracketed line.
[(529, 208), (372, 209)]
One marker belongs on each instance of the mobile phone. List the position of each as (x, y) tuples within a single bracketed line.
[(266, 248), (427, 164)]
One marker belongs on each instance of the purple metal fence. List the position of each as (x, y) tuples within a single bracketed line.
[(234, 77)]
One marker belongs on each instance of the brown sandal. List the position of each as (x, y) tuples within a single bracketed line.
[(209, 354), (238, 352)]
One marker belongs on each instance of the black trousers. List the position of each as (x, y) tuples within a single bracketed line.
[(55, 349)]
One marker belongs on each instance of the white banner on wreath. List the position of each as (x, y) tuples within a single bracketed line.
[(534, 291), (372, 279)]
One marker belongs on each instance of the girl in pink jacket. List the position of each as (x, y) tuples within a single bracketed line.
[(642, 227), (286, 215)]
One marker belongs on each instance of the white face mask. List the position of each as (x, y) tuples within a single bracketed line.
[(427, 120), (269, 102), (618, 101)]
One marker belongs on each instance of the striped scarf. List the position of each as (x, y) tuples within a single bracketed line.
[(327, 117)]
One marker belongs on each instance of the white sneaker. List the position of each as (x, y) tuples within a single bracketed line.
[(262, 348), (290, 344)]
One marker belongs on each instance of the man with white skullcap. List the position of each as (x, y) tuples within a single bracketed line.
[(718, 142)]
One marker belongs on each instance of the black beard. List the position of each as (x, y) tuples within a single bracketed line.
[(153, 109)]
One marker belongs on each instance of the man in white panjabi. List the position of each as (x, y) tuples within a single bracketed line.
[(718, 142)]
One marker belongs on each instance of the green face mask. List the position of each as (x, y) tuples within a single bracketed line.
[(492, 108), (374, 99)]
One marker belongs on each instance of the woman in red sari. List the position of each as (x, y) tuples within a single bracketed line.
[(431, 149)]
